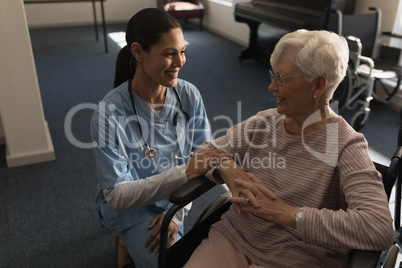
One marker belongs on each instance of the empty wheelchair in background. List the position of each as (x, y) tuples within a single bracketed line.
[(356, 90), (178, 254), (368, 68)]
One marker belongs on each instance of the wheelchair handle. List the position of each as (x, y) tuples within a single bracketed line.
[(164, 234)]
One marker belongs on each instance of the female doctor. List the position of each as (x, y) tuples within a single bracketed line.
[(145, 129)]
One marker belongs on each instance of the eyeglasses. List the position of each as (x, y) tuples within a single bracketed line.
[(279, 78)]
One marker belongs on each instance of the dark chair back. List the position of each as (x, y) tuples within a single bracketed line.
[(363, 26)]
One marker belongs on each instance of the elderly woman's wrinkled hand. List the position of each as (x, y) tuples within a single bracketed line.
[(230, 172), (256, 198)]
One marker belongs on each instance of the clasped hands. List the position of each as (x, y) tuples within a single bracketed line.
[(250, 195)]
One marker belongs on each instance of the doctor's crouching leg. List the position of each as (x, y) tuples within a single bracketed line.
[(135, 238)]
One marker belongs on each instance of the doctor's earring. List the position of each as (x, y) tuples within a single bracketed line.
[(314, 96)]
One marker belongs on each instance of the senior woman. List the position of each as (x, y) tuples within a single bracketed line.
[(305, 191)]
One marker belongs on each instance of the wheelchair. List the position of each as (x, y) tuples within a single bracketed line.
[(370, 64), (178, 254), (357, 87)]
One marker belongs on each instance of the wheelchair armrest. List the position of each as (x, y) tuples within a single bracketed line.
[(360, 258), (355, 54), (191, 190), (180, 197), (367, 60)]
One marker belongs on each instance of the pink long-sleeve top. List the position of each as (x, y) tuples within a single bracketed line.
[(328, 172)]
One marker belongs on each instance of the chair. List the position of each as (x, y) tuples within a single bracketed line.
[(183, 10), (385, 66), (195, 188), (358, 85)]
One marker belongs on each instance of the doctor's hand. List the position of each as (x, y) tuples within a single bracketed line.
[(203, 161), (270, 207), (152, 242)]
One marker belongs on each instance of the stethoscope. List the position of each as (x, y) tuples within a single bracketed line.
[(150, 152)]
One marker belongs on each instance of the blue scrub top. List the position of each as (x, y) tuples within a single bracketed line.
[(120, 147)]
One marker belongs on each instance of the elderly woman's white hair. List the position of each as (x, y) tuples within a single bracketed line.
[(315, 53)]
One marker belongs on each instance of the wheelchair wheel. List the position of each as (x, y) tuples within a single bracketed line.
[(359, 120)]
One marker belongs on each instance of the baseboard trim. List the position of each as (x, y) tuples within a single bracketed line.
[(32, 157)]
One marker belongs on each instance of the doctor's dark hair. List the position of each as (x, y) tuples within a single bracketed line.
[(147, 28)]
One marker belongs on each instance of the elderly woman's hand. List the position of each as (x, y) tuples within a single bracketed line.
[(203, 161), (256, 198), (230, 171)]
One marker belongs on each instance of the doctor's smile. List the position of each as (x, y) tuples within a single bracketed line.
[(173, 74)]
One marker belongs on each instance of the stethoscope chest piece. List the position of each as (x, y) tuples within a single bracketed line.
[(150, 153)]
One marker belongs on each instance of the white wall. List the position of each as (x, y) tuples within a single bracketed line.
[(63, 14), (219, 18), (389, 9)]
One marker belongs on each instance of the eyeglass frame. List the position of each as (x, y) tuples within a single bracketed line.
[(279, 78)]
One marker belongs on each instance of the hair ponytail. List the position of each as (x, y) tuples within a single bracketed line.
[(125, 66)]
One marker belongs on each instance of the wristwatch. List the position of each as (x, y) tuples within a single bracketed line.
[(299, 217)]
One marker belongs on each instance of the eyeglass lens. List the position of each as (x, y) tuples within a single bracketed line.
[(278, 77)]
